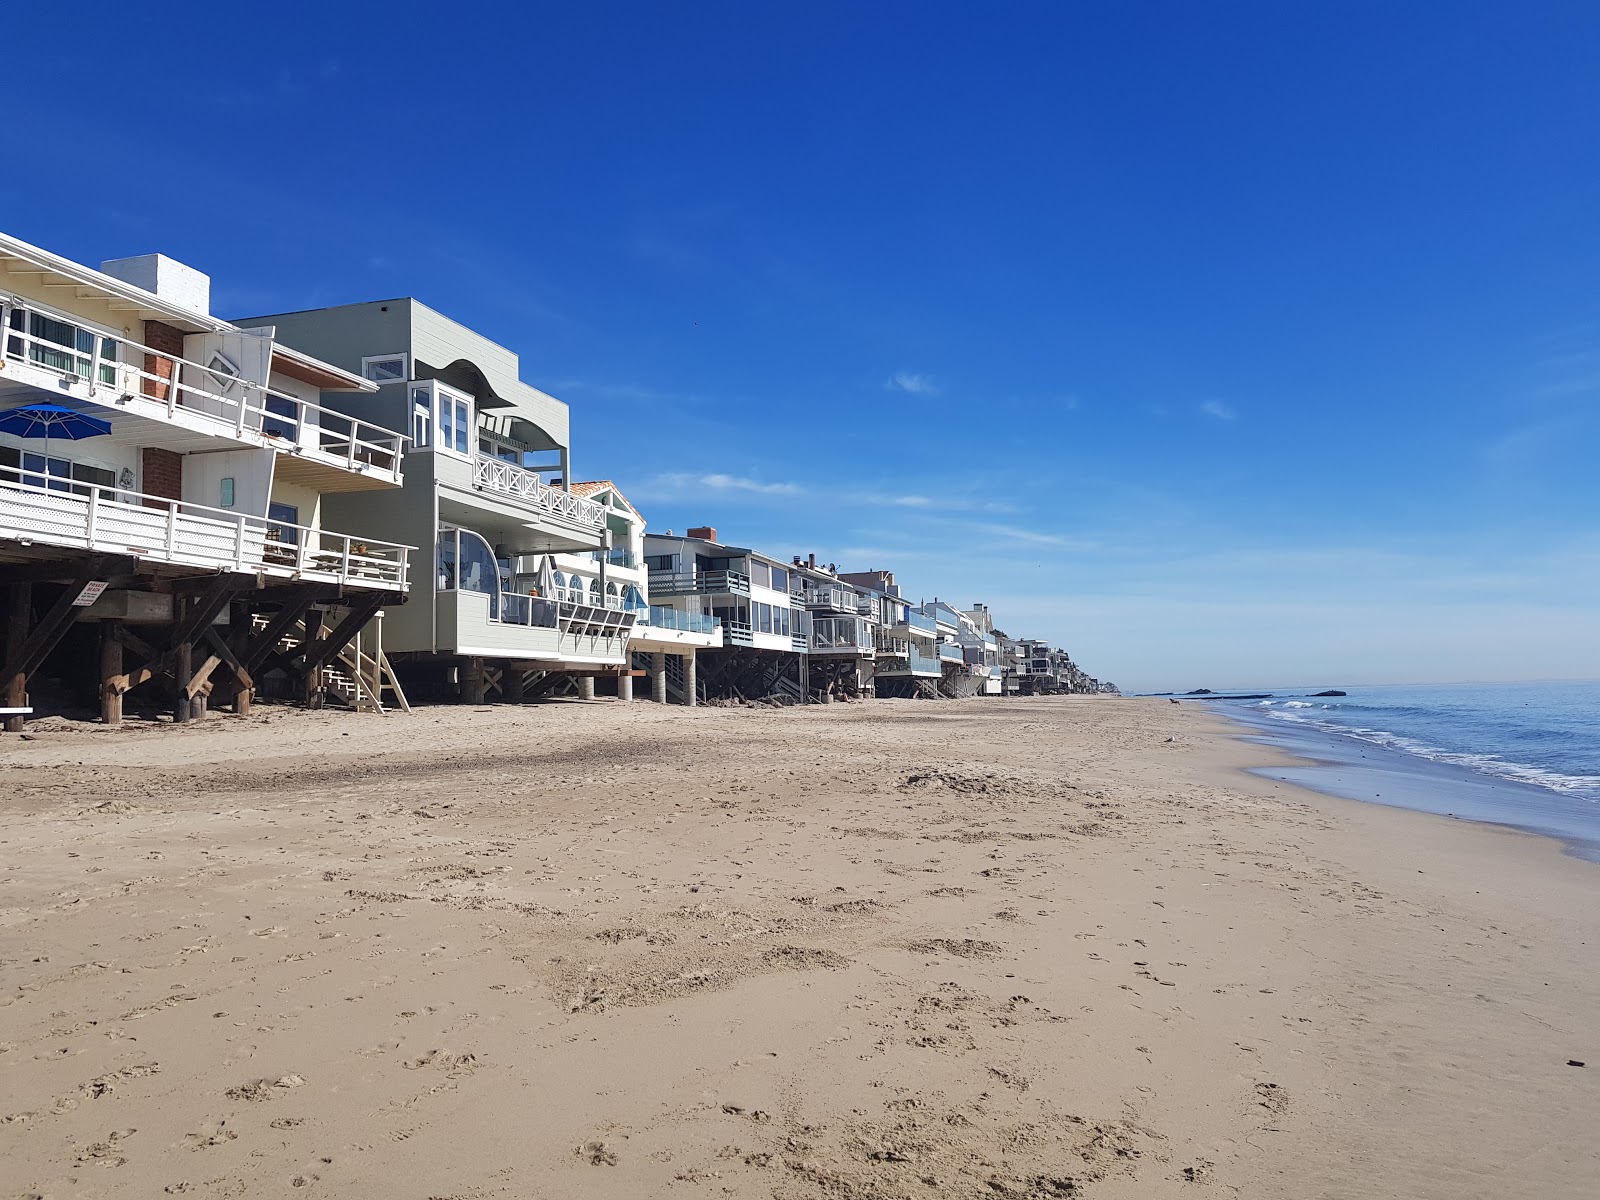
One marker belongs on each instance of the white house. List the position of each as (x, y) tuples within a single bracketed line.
[(187, 485)]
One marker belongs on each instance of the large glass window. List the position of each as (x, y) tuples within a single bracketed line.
[(282, 520), (52, 472), (66, 347), (466, 563), (760, 574), (781, 621), (780, 579)]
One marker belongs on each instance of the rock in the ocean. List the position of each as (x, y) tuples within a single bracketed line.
[(1330, 692)]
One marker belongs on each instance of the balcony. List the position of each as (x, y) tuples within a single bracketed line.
[(526, 488), (699, 583), (951, 652), (911, 662), (49, 351), (830, 597), (658, 617), (527, 628), (738, 633), (841, 635), (83, 516), (919, 623), (617, 557)]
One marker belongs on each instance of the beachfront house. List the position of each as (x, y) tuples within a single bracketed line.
[(665, 638), (763, 630), (842, 629), (906, 656), (168, 485), (487, 494), (966, 655)]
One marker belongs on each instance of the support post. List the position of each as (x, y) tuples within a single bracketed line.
[(690, 692), (472, 681), (110, 673), (511, 688), (182, 662), (658, 676), (18, 619), (625, 685), (585, 687), (311, 671)]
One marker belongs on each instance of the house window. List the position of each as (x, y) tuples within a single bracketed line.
[(780, 621), (441, 418), (780, 579), (385, 368), (760, 574), (223, 373), (282, 520), (227, 491), (57, 474), (455, 417), (68, 347), (660, 562), (421, 418)]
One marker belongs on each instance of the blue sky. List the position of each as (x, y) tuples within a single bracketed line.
[(1223, 344)]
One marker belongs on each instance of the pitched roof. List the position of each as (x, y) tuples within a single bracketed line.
[(593, 486)]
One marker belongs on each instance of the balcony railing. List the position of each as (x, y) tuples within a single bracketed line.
[(922, 623), (839, 599), (508, 479), (950, 652), (908, 661), (699, 583), (840, 635), (60, 512), (659, 617), (118, 373), (616, 557)]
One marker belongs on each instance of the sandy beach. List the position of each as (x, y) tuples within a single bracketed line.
[(1000, 949)]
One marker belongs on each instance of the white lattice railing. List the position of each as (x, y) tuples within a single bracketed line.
[(116, 372), (60, 512), (511, 480)]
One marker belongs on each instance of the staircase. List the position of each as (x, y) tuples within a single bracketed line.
[(359, 675), (675, 688)]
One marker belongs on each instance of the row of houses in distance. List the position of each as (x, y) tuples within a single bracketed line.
[(367, 503)]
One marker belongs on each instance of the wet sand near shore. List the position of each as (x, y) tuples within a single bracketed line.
[(1021, 948)]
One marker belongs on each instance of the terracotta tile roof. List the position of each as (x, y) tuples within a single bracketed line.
[(592, 486)]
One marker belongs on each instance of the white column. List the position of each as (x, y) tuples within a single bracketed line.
[(690, 696)]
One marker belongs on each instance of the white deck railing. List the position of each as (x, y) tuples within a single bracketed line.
[(508, 479), (119, 373), (59, 512)]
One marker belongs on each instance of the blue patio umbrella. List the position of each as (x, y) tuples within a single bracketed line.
[(46, 420)]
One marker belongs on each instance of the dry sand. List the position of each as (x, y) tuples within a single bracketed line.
[(1029, 948)]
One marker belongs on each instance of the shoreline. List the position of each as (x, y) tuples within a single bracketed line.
[(1410, 783), (1020, 948)]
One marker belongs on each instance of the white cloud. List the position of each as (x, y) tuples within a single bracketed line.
[(683, 483), (913, 382), (741, 484), (1218, 410)]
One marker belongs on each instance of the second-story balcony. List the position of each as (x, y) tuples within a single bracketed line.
[(841, 635), (829, 598), (920, 623), (617, 556), (699, 583), (525, 488), (659, 617), (51, 511), (119, 379), (951, 652)]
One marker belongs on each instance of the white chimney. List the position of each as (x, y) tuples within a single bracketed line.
[(166, 277)]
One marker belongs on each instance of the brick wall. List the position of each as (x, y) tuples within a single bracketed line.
[(163, 474), (163, 337)]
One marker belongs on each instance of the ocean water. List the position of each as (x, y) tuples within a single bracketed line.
[(1524, 755)]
